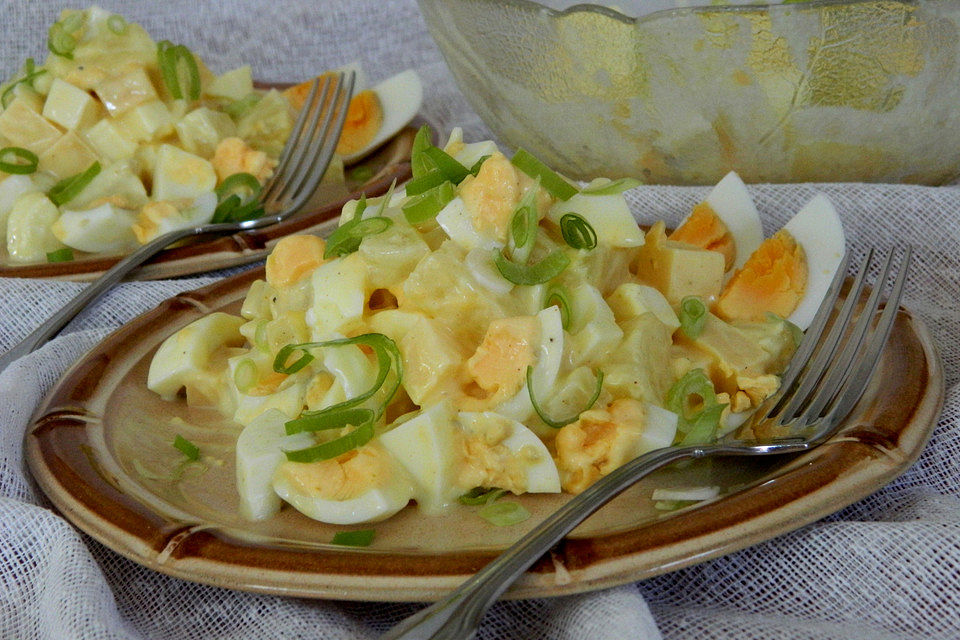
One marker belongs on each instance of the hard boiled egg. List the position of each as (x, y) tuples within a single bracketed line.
[(362, 485), (260, 450), (549, 354), (400, 98), (103, 229), (157, 218)]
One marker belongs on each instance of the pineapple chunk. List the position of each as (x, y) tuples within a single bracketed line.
[(24, 127), (179, 174), (70, 107), (202, 129), (123, 93), (29, 238), (68, 156), (232, 85), (148, 122), (108, 142)]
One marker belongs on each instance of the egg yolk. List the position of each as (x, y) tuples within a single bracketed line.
[(233, 155), (498, 367), (492, 195), (706, 230), (293, 258), (342, 478), (773, 280), (364, 116)]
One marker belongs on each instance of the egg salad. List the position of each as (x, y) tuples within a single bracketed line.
[(494, 327), (116, 139)]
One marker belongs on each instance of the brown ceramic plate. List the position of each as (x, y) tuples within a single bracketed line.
[(390, 162), (100, 447)]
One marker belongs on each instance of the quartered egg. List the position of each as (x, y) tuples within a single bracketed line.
[(260, 450), (549, 354), (778, 278), (157, 218), (103, 229), (501, 452), (375, 115), (362, 485), (726, 221)]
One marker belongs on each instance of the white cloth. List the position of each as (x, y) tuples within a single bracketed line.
[(883, 568)]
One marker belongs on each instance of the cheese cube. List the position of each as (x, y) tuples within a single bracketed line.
[(68, 156), (202, 129), (26, 128), (179, 174), (108, 142), (29, 238), (122, 93), (70, 107), (679, 270), (232, 85), (147, 122)]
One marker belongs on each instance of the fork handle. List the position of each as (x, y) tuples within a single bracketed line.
[(115, 274), (457, 616)]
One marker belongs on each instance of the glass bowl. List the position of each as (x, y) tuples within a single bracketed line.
[(863, 90)]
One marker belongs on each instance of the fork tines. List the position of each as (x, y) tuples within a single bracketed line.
[(836, 358)]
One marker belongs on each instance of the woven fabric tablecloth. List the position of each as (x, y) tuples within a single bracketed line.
[(885, 567)]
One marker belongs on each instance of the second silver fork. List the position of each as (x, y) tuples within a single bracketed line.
[(826, 379), (302, 163)]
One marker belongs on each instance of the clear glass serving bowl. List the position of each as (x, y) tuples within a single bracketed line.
[(862, 90)]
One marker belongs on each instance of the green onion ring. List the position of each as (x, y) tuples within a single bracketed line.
[(169, 57), (360, 538), (117, 24), (693, 316), (445, 163), (420, 164), (481, 495), (425, 206), (60, 255), (11, 157), (353, 440), (577, 232), (425, 182), (347, 238), (559, 296), (186, 447), (504, 514), (59, 42)]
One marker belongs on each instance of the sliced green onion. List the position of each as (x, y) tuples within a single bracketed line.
[(419, 162), (559, 296), (446, 164), (186, 447), (424, 183), (556, 424), (549, 179), (354, 416), (361, 538), (30, 73), (69, 188), (577, 232), (481, 495), (694, 400), (475, 169), (796, 333), (239, 183), (246, 375), (362, 174), (523, 226), (426, 206), (347, 238), (239, 108), (60, 42), (523, 274), (612, 188), (504, 514), (60, 255), (225, 209), (693, 316), (388, 356), (169, 58), (353, 440), (117, 25), (18, 160)]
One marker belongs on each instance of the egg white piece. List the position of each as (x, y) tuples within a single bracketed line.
[(480, 265), (457, 222), (545, 369), (468, 153), (103, 229), (732, 203), (260, 450), (817, 228), (400, 97), (390, 494), (609, 215), (428, 447), (660, 429), (526, 448)]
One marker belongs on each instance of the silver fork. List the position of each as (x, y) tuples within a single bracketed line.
[(824, 381), (304, 159)]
